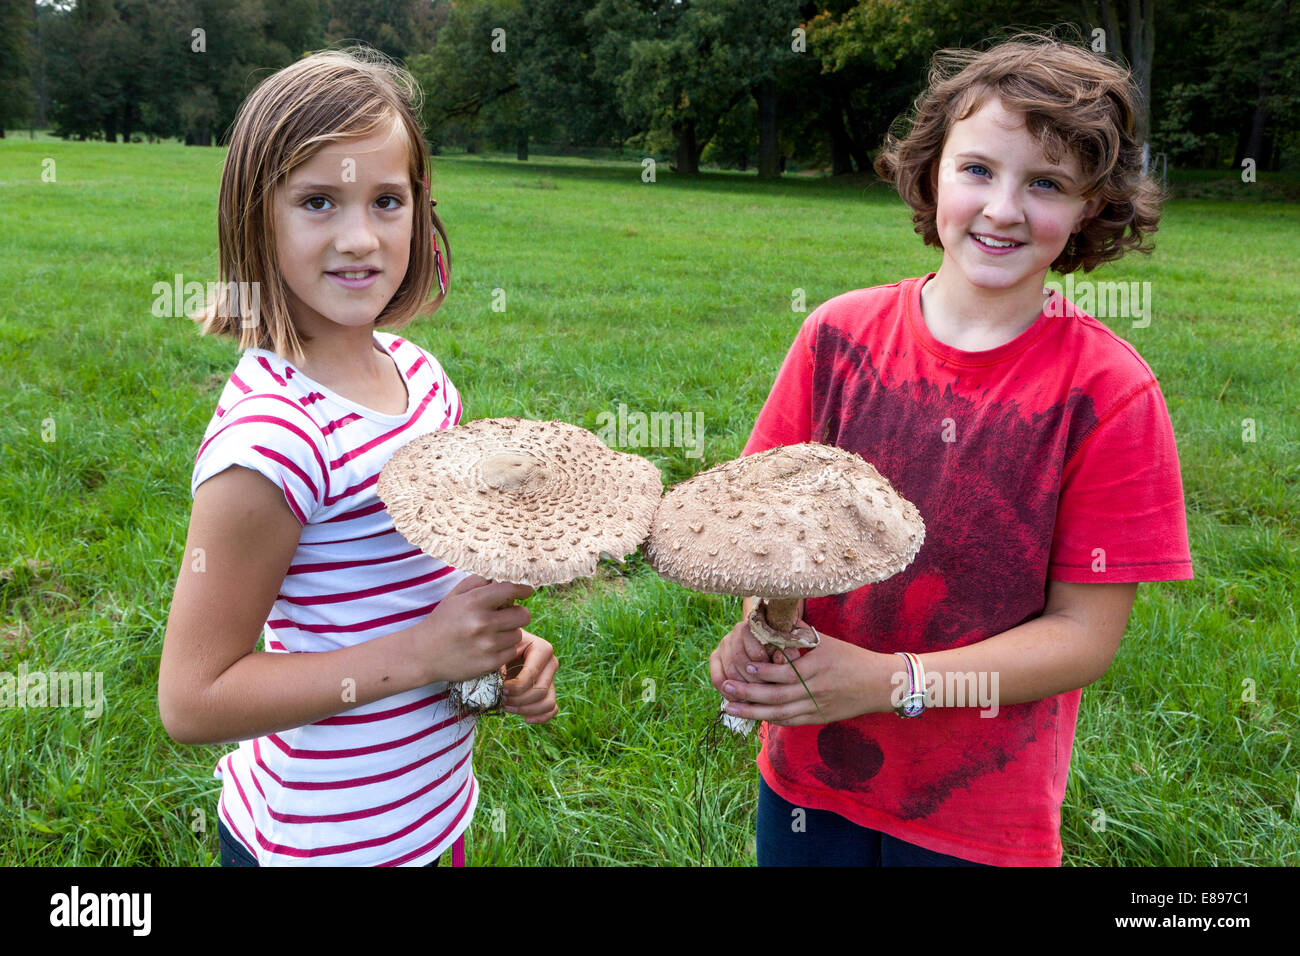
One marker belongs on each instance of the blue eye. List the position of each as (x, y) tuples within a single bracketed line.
[(976, 168), (1049, 182)]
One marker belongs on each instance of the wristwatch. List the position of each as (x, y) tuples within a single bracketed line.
[(912, 705)]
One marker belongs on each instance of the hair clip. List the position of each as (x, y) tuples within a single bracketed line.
[(438, 265)]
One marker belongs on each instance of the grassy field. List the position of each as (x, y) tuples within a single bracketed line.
[(667, 296)]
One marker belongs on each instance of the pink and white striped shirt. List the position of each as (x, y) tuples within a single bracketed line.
[(387, 783)]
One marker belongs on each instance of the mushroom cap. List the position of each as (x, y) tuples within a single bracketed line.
[(790, 522), (521, 501)]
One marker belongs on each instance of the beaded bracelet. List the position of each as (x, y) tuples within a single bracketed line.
[(913, 704)]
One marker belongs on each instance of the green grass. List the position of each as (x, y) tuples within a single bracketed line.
[(667, 296)]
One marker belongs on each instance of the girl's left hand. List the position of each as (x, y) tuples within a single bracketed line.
[(529, 689), (845, 679)]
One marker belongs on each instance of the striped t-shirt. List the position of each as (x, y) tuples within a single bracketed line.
[(387, 783)]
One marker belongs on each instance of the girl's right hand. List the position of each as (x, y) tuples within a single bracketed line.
[(475, 630), (734, 652)]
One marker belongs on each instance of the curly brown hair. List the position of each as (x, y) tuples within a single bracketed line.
[(329, 97), (1074, 102)]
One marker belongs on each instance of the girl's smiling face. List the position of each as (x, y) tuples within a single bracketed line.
[(1003, 211), (348, 209)]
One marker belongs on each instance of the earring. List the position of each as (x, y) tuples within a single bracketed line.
[(1070, 247)]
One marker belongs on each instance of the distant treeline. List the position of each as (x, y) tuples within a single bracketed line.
[(737, 83)]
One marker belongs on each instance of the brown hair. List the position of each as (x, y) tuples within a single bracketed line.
[(1073, 100), (329, 97)]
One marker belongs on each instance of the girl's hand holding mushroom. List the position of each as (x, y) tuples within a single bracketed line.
[(786, 524), (474, 630), (846, 681), (529, 690), (738, 649), (524, 501)]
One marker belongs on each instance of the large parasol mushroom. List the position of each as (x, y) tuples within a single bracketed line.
[(793, 522), (522, 501)]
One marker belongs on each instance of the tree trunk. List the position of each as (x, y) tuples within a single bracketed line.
[(1137, 45), (1142, 42), (686, 156), (841, 157), (857, 148), (769, 153), (1255, 140), (1259, 142), (521, 145)]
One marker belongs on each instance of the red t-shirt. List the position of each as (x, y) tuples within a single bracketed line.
[(1049, 457)]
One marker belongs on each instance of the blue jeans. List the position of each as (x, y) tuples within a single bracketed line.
[(233, 852), (787, 837)]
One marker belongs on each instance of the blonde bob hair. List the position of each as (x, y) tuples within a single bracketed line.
[(1074, 101), (329, 97)]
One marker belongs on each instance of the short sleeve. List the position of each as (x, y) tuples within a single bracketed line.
[(786, 418), (274, 437), (450, 396), (1121, 515)]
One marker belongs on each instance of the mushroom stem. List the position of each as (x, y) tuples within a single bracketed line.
[(781, 613), (763, 624)]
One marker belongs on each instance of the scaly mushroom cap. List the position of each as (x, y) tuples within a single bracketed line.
[(522, 501), (791, 522)]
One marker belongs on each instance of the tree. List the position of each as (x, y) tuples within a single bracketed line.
[(84, 85), (470, 79), (166, 67), (1254, 74), (397, 28), (1135, 43), (874, 55), (680, 67), (560, 79), (17, 27)]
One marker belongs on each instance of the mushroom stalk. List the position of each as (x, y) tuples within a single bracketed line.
[(479, 695), (772, 622), (781, 613)]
